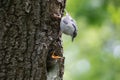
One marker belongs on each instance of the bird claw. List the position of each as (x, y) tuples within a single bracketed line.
[(57, 16)]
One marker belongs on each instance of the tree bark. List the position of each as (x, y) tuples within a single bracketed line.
[(29, 35)]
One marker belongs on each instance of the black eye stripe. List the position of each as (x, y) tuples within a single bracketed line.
[(65, 22), (74, 26)]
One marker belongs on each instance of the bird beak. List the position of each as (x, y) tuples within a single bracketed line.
[(72, 39)]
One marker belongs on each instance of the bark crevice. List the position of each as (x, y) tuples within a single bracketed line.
[(29, 34)]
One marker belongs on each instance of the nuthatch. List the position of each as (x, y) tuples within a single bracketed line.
[(68, 26)]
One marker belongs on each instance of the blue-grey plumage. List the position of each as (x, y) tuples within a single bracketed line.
[(68, 26)]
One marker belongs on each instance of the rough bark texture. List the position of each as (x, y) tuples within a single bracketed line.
[(29, 34)]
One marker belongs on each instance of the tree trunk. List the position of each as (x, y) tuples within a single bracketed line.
[(29, 35)]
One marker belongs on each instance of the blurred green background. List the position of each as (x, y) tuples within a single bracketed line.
[(95, 52)]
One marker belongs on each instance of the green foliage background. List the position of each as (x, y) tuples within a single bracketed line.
[(95, 52)]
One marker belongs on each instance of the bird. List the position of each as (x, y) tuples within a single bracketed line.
[(68, 26)]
